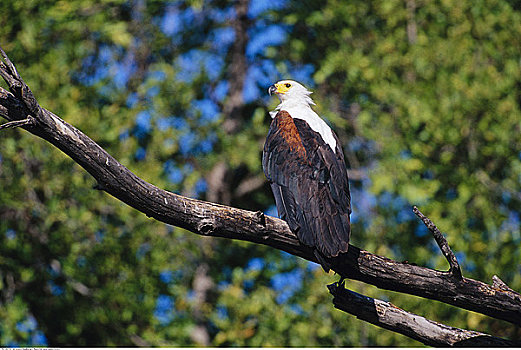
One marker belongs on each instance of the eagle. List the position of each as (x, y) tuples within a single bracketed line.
[(304, 163)]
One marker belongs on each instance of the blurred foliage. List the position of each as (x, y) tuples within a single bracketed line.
[(423, 94)]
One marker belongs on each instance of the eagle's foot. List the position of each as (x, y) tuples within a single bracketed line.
[(341, 282)]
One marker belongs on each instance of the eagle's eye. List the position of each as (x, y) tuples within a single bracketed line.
[(288, 85)]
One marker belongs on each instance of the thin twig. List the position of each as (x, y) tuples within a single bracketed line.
[(455, 269), (10, 64), (17, 123), (8, 70)]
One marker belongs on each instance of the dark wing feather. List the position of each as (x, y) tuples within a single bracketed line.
[(311, 188), (282, 166), (332, 194)]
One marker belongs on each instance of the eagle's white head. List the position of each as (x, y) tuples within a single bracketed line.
[(291, 93)]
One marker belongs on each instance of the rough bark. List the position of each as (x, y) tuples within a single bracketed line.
[(386, 315), (216, 220)]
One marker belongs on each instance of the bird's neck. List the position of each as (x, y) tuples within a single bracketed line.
[(297, 100), (292, 103)]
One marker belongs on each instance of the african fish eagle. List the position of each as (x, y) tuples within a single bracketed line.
[(304, 163)]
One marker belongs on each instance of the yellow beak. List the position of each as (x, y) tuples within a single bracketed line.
[(278, 89)]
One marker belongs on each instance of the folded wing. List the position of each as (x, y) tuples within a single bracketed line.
[(310, 185)]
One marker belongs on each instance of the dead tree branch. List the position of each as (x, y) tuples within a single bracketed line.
[(386, 315), (210, 219)]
